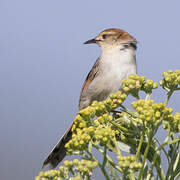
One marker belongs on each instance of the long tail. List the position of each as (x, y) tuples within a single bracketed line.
[(59, 151)]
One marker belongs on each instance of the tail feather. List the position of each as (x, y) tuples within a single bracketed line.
[(59, 151)]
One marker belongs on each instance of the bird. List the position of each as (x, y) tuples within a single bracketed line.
[(116, 62)]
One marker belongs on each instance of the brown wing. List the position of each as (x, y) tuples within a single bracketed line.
[(92, 74)]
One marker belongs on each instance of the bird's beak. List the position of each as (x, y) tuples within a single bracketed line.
[(91, 41)]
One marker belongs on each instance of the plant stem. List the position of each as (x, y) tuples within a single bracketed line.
[(120, 127), (169, 94), (174, 160), (158, 151), (100, 166), (117, 147), (105, 159), (127, 111), (174, 141), (145, 154), (108, 159), (139, 146), (148, 96), (104, 171), (160, 172), (163, 150), (90, 147)]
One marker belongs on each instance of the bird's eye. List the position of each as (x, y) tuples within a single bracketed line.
[(120, 35), (104, 36)]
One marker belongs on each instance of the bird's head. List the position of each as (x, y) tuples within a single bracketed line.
[(110, 38)]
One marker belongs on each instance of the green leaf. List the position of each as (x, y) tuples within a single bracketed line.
[(126, 147)]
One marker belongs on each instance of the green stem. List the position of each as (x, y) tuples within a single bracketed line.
[(120, 127), (177, 89), (104, 171), (163, 150), (174, 141), (90, 147), (139, 146), (114, 165), (169, 94), (117, 147), (145, 154), (148, 96), (176, 162), (105, 159), (155, 157), (129, 112), (108, 159), (174, 159), (100, 166), (160, 172)]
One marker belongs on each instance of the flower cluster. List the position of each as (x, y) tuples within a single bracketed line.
[(80, 168), (135, 83), (51, 174), (80, 141), (173, 125), (115, 100), (128, 163), (103, 120), (83, 119), (150, 112), (92, 124), (97, 109), (171, 79), (104, 135), (84, 167)]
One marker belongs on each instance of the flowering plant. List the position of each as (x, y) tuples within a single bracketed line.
[(102, 132)]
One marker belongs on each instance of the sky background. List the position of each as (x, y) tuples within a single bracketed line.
[(43, 64)]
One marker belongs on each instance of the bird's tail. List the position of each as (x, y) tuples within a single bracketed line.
[(59, 151)]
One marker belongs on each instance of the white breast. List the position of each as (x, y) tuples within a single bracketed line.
[(116, 65)]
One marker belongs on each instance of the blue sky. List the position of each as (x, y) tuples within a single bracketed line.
[(43, 64)]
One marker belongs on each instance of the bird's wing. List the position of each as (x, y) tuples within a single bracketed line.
[(84, 99), (92, 74)]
